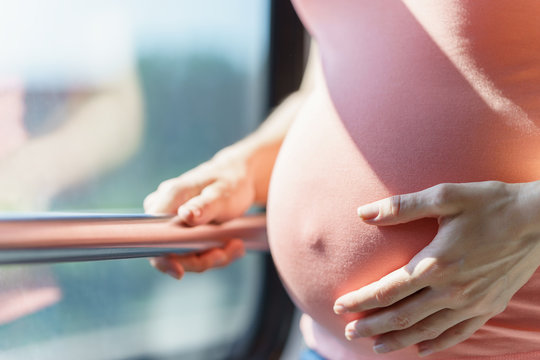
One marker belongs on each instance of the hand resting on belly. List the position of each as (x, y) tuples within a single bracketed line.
[(487, 247)]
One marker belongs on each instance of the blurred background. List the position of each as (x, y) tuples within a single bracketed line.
[(99, 102)]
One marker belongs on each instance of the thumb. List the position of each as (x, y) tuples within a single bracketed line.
[(205, 207), (436, 201)]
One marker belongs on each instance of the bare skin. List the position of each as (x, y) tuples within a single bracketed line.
[(486, 249), (227, 185), (487, 246)]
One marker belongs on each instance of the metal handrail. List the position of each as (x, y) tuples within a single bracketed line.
[(88, 237)]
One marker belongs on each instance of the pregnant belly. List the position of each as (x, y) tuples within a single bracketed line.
[(329, 165)]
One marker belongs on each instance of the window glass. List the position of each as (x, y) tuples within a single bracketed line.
[(99, 102)]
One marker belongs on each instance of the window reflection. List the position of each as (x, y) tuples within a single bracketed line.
[(99, 102), (24, 292)]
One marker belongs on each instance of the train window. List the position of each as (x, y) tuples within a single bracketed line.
[(99, 102)]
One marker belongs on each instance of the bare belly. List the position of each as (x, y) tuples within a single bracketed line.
[(329, 165), (417, 93)]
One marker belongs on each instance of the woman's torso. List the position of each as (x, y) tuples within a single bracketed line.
[(416, 94)]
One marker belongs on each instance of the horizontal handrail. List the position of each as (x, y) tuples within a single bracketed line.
[(85, 237)]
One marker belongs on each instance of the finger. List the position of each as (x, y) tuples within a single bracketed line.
[(393, 287), (204, 261), (172, 193), (148, 202), (235, 249), (216, 257), (452, 336), (204, 207), (427, 329), (439, 200), (166, 266), (401, 316)]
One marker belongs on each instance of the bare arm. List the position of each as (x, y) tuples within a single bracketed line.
[(227, 185), (238, 175), (267, 140)]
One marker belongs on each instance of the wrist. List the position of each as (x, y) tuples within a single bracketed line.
[(527, 203), (258, 158), (240, 153)]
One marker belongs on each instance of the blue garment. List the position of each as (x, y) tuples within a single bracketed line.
[(309, 354)]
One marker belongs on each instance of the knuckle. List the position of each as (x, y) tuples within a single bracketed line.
[(395, 205), (444, 194), (400, 321), (394, 342), (459, 333), (198, 206), (457, 295), (428, 333), (196, 203), (384, 297), (364, 330)]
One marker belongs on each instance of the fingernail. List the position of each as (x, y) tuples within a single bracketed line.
[(425, 352), (197, 212), (339, 309), (351, 334), (173, 274), (183, 213), (381, 348), (368, 212)]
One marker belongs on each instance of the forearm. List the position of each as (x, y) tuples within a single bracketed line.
[(262, 147)]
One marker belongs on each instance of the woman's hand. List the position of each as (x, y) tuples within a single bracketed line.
[(215, 191), (487, 247), (176, 265)]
